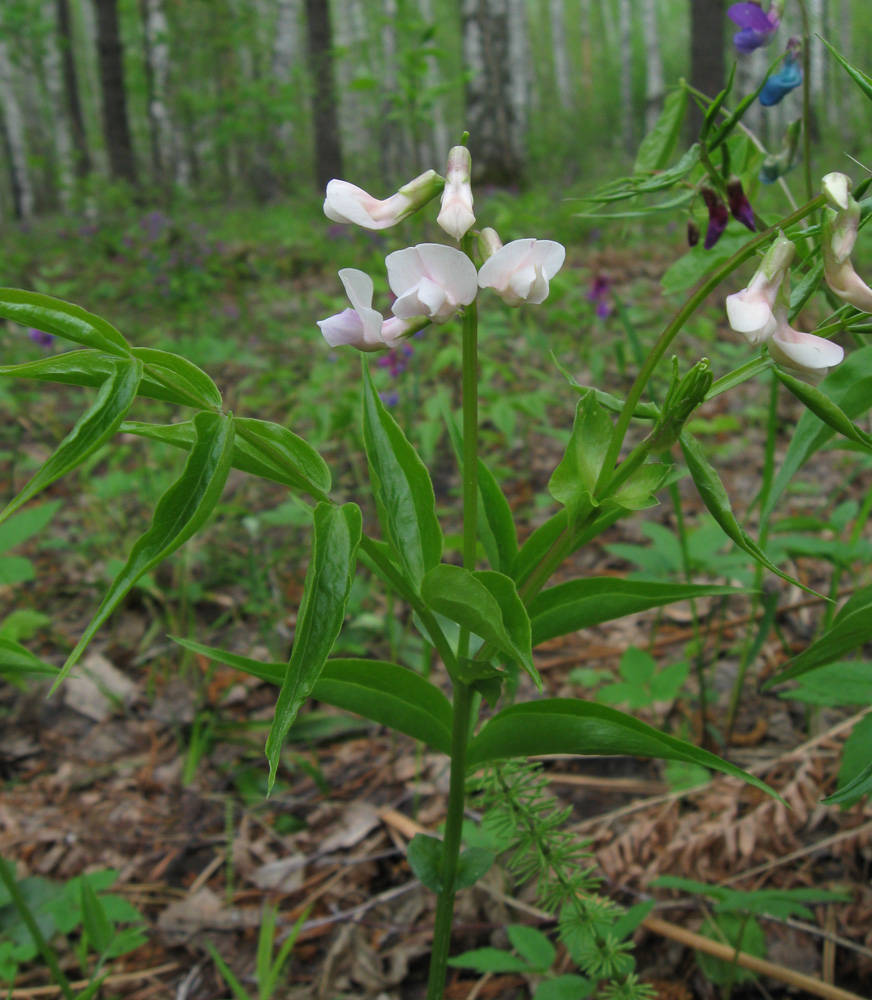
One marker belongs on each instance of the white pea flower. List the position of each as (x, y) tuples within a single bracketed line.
[(347, 203), (362, 326), (841, 222), (430, 280), (520, 271), (750, 312), (456, 216)]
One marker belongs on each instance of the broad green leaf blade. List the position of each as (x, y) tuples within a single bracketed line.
[(183, 376), (424, 855), (856, 788), (659, 144), (537, 546), (714, 496), (493, 960), (90, 369), (93, 429), (473, 864), (16, 661), (573, 726), (863, 81), (531, 944), (496, 523), (403, 491), (486, 603), (179, 514), (825, 409), (850, 387), (297, 460), (94, 919), (573, 482), (851, 628), (579, 604), (63, 319), (335, 538), (28, 523)]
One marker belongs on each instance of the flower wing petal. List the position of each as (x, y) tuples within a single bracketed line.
[(405, 270), (451, 269), (750, 15), (804, 351)]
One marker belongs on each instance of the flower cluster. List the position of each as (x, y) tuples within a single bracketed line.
[(757, 29), (760, 313), (841, 223), (431, 281)]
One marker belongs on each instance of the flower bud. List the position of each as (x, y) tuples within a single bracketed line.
[(682, 398), (740, 207), (692, 233), (456, 216), (347, 203), (718, 217)]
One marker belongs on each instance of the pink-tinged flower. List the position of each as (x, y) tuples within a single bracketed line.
[(718, 217), (740, 207), (756, 28), (347, 203), (804, 353), (751, 311), (841, 222), (362, 326), (521, 271), (430, 280), (456, 215)]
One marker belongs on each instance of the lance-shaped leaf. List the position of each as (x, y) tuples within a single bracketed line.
[(574, 480), (179, 514), (335, 538), (573, 726), (181, 375), (246, 457), (17, 661), (386, 693), (93, 429), (580, 604), (89, 369), (403, 491), (496, 524), (714, 495), (850, 387), (863, 81), (298, 461), (63, 319), (851, 628), (487, 604), (659, 144), (825, 409)]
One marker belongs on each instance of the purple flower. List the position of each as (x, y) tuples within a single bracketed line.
[(389, 398), (40, 337), (740, 207), (600, 293), (756, 27), (788, 78), (718, 217)]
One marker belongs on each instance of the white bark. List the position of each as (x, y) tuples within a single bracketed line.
[(625, 14), (519, 60), (158, 50), (654, 85), (349, 34), (562, 78), (441, 140), (15, 135), (63, 139), (287, 51), (586, 56)]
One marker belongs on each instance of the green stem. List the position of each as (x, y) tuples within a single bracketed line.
[(7, 877), (677, 322), (470, 440), (461, 727)]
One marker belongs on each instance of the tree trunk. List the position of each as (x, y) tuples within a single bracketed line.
[(706, 52), (22, 189), (496, 89), (586, 55), (52, 71), (440, 138), (562, 80), (116, 127), (286, 52), (325, 117), (654, 86), (71, 89), (628, 119), (155, 32)]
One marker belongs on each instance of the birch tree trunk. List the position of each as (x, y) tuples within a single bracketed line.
[(72, 98), (63, 142), (586, 55), (496, 89), (628, 121), (13, 121), (286, 51), (562, 80), (116, 126), (325, 117), (157, 70), (654, 85)]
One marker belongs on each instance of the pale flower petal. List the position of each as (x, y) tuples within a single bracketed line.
[(849, 286), (804, 352), (456, 216), (521, 271), (430, 280), (347, 203)]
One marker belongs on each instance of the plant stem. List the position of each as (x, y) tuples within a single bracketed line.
[(7, 877), (470, 440), (462, 724)]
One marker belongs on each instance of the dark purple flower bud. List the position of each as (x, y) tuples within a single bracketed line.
[(40, 337), (692, 233), (600, 292), (718, 217), (740, 207)]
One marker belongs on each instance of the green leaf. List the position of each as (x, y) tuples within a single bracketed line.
[(42, 312), (855, 774), (484, 960), (659, 144), (844, 682), (182, 375), (714, 108), (93, 429), (573, 726), (638, 491), (699, 262), (579, 604), (849, 386), (852, 627), (487, 604), (567, 987), (94, 920), (28, 523), (227, 974), (863, 81), (424, 855), (532, 945), (714, 496), (16, 661), (179, 514), (472, 864), (574, 480), (297, 460), (403, 491), (336, 535), (825, 409), (495, 521)]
